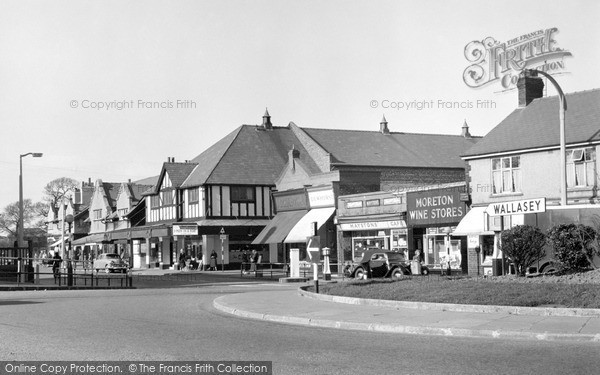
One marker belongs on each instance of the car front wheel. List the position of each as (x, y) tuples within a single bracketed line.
[(360, 274), (397, 274)]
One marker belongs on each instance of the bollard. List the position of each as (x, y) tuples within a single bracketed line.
[(69, 273), (37, 274)]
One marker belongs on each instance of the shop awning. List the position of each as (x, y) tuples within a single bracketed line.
[(91, 239), (279, 227), (303, 228), (473, 223)]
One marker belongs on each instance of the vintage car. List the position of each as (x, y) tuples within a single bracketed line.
[(381, 263), (110, 262)]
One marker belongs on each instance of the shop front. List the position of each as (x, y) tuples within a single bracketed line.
[(432, 217), (371, 220)]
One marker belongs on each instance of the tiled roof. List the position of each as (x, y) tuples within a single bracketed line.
[(178, 172), (372, 148), (537, 125), (147, 181), (111, 190), (248, 155)]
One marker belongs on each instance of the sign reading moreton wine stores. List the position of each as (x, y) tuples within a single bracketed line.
[(435, 206)]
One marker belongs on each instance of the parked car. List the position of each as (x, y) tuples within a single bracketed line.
[(381, 263), (110, 262)]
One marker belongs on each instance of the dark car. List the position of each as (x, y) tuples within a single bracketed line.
[(378, 263)]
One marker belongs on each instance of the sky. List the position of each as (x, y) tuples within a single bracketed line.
[(110, 89)]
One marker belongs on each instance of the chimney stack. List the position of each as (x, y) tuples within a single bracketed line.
[(383, 126), (266, 124), (530, 87), (293, 155), (465, 130)]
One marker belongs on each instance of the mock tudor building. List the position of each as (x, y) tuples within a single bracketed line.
[(348, 163), (519, 160)]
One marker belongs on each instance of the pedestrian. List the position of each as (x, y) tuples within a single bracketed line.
[(244, 261), (181, 259), (213, 261), (56, 261), (253, 260)]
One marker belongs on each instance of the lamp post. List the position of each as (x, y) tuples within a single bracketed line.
[(563, 152), (69, 219), (20, 229)]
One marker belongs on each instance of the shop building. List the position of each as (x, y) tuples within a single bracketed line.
[(520, 160), (368, 220), (347, 162)]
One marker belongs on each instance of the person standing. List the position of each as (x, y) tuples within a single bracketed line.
[(253, 260), (56, 261), (213, 261)]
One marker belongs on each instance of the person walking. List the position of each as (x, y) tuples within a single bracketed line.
[(182, 259)]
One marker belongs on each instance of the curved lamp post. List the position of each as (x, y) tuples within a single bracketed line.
[(20, 230), (563, 152)]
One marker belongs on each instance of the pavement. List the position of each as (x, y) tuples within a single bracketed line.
[(299, 307)]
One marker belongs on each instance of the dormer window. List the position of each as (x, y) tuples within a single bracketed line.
[(581, 167)]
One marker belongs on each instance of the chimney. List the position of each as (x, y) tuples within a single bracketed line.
[(465, 130), (383, 127), (293, 155), (530, 87), (266, 124)]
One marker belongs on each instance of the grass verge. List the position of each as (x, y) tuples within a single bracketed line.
[(470, 291)]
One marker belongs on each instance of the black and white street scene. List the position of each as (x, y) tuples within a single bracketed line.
[(299, 187)]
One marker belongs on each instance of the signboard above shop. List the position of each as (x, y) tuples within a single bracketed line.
[(185, 229), (435, 207), (526, 206)]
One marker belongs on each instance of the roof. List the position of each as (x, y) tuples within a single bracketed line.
[(537, 125), (111, 190), (396, 149), (248, 155)]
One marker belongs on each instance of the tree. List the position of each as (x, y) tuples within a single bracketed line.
[(523, 245), (573, 245), (33, 216), (56, 190)]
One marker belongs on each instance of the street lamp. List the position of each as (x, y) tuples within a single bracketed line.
[(20, 228), (563, 152)]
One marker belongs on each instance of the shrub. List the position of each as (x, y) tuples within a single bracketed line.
[(573, 245), (523, 245)]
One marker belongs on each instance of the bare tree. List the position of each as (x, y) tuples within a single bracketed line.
[(57, 189), (33, 216)]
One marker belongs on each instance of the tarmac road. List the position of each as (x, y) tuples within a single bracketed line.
[(182, 324)]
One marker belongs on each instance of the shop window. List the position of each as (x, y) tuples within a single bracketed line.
[(506, 175), (581, 167)]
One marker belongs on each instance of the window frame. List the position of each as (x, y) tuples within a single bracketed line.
[(501, 168)]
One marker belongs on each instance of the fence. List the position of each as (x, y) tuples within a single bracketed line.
[(71, 273), (282, 269)]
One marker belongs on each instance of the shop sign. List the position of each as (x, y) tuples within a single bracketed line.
[(373, 225), (289, 202), (321, 198), (527, 206), (185, 229), (435, 207)]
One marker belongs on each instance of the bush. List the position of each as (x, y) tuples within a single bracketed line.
[(573, 245), (523, 245)]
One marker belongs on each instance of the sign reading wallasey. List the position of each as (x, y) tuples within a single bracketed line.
[(527, 206), (494, 61)]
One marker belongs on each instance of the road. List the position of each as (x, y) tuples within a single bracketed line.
[(180, 323)]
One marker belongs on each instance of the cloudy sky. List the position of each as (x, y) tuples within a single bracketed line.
[(110, 89)]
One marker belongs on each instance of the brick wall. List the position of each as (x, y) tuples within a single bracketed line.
[(399, 179)]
